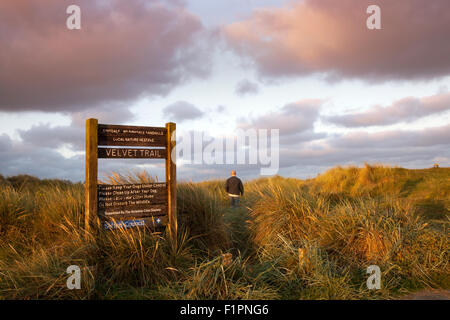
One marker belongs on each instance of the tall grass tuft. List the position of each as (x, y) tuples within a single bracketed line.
[(201, 213)]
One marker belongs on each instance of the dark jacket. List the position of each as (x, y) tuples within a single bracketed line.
[(234, 186)]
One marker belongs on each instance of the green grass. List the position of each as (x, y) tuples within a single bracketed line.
[(290, 239)]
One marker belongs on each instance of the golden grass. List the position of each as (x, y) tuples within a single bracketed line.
[(291, 239)]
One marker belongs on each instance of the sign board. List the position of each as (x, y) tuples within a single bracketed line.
[(130, 205), (116, 135), (131, 153)]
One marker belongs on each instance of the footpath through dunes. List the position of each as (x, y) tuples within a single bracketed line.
[(238, 225)]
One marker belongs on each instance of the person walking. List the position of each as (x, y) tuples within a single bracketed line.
[(234, 188)]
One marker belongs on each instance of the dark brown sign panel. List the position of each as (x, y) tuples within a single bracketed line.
[(131, 153), (116, 135), (136, 200)]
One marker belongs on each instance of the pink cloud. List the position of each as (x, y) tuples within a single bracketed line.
[(331, 37), (124, 49), (404, 110), (426, 137)]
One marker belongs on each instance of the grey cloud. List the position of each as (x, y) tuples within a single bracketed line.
[(182, 110), (220, 109), (302, 137), (43, 135), (293, 118), (394, 138), (400, 147), (73, 135), (5, 142), (419, 157), (44, 161), (21, 158), (245, 87), (116, 113)]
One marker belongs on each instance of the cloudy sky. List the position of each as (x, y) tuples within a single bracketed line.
[(340, 94)]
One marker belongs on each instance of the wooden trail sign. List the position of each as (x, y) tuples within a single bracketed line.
[(130, 205)]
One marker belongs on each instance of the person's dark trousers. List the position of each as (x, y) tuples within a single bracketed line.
[(234, 202)]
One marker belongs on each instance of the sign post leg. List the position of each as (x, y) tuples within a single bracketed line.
[(171, 179), (91, 174)]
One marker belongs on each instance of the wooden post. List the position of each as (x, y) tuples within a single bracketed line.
[(91, 173), (171, 180)]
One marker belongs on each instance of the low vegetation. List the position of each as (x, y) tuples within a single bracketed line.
[(290, 239)]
